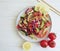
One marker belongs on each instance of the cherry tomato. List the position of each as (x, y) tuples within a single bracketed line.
[(52, 36), (51, 43), (44, 43)]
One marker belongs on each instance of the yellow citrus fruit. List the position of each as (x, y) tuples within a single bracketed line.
[(27, 46)]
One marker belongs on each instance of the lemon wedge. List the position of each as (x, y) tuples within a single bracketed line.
[(27, 46)]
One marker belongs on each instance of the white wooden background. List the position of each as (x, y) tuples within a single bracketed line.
[(9, 39)]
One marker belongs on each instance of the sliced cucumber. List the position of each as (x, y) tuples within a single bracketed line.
[(24, 32), (33, 36), (43, 11), (20, 21), (44, 19), (29, 17), (30, 12), (46, 29), (47, 18), (37, 30), (36, 8), (25, 22), (42, 25), (23, 15)]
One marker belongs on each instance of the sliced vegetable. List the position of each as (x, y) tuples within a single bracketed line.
[(39, 34), (42, 24), (34, 22), (47, 24), (18, 27), (45, 30), (37, 30), (25, 22), (37, 7), (23, 15), (44, 19), (33, 36), (24, 32), (37, 14), (29, 16), (47, 18), (28, 10)]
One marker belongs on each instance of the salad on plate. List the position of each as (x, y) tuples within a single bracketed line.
[(34, 22)]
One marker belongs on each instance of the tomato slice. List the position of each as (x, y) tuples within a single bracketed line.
[(47, 24), (37, 14), (30, 25), (39, 34), (36, 24), (18, 27), (44, 34)]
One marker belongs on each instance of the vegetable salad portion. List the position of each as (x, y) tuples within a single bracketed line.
[(34, 22)]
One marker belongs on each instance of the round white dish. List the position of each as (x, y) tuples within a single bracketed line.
[(26, 37)]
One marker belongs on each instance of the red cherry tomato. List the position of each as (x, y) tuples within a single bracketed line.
[(44, 43), (52, 36), (51, 43)]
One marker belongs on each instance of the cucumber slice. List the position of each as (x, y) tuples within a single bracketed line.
[(23, 15), (37, 30), (33, 36), (46, 29), (29, 16), (24, 32), (47, 18), (42, 25), (37, 8), (25, 22), (44, 19)]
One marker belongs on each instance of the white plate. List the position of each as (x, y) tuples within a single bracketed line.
[(26, 37)]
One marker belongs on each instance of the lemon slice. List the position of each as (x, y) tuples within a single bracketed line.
[(27, 46)]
